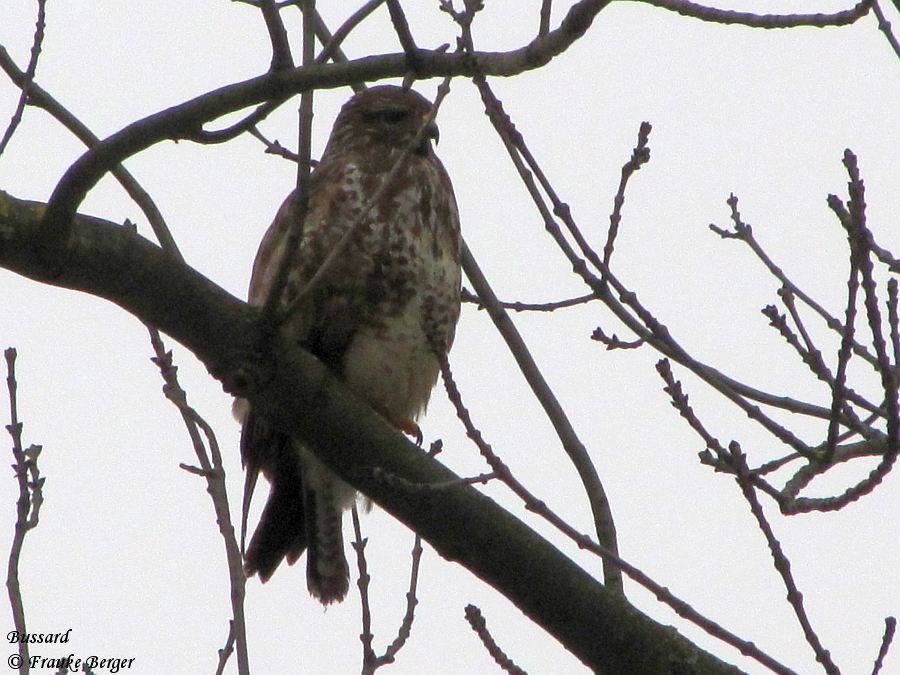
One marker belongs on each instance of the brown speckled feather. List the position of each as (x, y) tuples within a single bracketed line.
[(377, 319)]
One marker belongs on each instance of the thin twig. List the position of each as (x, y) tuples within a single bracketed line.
[(624, 303), (28, 78), (885, 27), (409, 486), (574, 448), (281, 47), (479, 625), (226, 651), (805, 474), (842, 412), (890, 627), (468, 296), (401, 28), (217, 136), (412, 598), (332, 46), (844, 353), (403, 632), (861, 238), (584, 542), (28, 506), (614, 341), (604, 523), (639, 156), (300, 201), (894, 318), (365, 636), (546, 9), (213, 472), (744, 232), (681, 403), (726, 16), (781, 561), (371, 662), (274, 147), (38, 97), (813, 357)]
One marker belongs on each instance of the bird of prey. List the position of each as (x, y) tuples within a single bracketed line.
[(379, 315)]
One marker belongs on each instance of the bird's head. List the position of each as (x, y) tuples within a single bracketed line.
[(387, 118)]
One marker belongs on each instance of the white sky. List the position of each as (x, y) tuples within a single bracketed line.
[(127, 553)]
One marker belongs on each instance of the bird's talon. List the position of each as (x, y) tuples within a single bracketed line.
[(410, 428)]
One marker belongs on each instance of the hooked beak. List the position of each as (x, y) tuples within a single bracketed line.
[(431, 132)]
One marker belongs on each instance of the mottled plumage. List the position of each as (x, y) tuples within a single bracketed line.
[(377, 318)]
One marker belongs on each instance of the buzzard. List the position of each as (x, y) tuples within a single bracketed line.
[(379, 314)]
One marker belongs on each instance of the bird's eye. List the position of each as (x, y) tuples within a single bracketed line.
[(393, 115)]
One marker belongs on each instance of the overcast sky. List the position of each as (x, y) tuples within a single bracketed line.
[(127, 553)]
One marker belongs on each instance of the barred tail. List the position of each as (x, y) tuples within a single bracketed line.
[(327, 572), (303, 512)]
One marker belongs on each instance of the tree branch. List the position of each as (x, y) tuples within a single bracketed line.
[(186, 120), (753, 20), (301, 398)]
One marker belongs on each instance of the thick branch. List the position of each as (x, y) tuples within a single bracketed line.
[(186, 121), (300, 397)]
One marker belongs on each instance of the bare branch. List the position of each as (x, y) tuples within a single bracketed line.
[(782, 564), (625, 304), (885, 26), (365, 635), (604, 523), (215, 136), (860, 238), (226, 651), (468, 296), (401, 27), (37, 96), (844, 353), (744, 232), (574, 448), (851, 494), (28, 78), (479, 625), (212, 471), (532, 503), (372, 662), (639, 156), (681, 404), (281, 47), (894, 318), (614, 342), (890, 627), (28, 505), (183, 121), (727, 16), (332, 50), (842, 412), (274, 147), (302, 399), (403, 632), (299, 203), (546, 9)]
